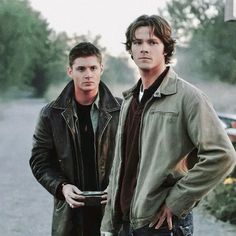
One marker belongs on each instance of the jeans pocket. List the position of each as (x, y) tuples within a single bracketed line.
[(184, 231)]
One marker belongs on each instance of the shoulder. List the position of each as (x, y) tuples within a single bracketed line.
[(189, 90), (46, 110)]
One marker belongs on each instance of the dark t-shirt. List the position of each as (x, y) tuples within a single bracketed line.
[(87, 147)]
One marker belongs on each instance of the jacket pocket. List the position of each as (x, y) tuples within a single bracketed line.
[(170, 116), (164, 116), (59, 205)]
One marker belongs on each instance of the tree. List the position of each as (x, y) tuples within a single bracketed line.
[(49, 65), (15, 44), (206, 46), (118, 71), (32, 56), (186, 17), (28, 51)]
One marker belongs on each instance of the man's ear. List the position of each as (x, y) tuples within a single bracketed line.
[(131, 55), (102, 69), (69, 71)]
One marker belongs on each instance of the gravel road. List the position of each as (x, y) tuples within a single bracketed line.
[(26, 208)]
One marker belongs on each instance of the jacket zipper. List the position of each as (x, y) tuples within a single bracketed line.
[(113, 204), (139, 150)]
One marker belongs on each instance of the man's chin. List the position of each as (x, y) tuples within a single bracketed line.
[(144, 66), (89, 88)]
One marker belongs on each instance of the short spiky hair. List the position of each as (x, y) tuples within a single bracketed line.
[(160, 28), (84, 49)]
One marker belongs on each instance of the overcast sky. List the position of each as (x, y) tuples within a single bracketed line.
[(108, 18)]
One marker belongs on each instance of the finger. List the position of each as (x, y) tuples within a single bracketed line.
[(104, 196), (155, 220), (76, 190), (104, 202), (78, 197), (169, 222), (169, 219), (76, 204), (160, 222)]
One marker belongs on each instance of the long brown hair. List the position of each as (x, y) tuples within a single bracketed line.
[(160, 28)]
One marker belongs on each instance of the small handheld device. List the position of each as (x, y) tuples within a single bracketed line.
[(93, 198)]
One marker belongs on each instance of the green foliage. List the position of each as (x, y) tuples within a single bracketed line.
[(185, 17), (206, 42), (32, 56), (221, 202), (118, 71), (50, 64), (87, 38), (212, 46), (27, 53), (13, 42)]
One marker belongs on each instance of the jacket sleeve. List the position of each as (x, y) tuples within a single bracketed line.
[(216, 155), (43, 162), (107, 228)]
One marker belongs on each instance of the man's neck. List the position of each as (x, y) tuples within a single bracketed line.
[(148, 77), (85, 98)]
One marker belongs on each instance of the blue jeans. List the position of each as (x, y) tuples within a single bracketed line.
[(181, 227)]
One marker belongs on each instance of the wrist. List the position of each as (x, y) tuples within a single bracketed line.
[(62, 186), (59, 192)]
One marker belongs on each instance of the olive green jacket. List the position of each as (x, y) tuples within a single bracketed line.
[(177, 119)]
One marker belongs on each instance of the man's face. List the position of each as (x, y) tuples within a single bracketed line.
[(147, 50), (86, 72)]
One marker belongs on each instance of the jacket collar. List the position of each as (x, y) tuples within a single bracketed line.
[(167, 87), (106, 101)]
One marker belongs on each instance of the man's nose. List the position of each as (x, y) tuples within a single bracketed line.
[(144, 48), (88, 74)]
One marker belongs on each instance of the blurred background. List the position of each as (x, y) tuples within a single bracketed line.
[(35, 38)]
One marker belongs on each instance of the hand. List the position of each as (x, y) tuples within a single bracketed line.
[(104, 197), (165, 214), (73, 196)]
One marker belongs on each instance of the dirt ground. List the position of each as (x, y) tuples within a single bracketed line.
[(26, 208)]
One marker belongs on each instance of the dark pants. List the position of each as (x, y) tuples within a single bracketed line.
[(181, 227)]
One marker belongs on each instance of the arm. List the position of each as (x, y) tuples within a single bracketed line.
[(43, 162), (215, 152)]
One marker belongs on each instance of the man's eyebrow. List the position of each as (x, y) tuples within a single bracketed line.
[(136, 39), (79, 66)]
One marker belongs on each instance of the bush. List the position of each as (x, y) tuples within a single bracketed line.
[(221, 202)]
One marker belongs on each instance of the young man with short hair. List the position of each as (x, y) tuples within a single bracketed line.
[(73, 145)]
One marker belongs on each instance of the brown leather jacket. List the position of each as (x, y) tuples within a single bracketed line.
[(56, 154)]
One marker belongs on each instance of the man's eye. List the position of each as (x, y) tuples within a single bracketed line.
[(152, 42), (93, 68), (136, 42), (81, 69)]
